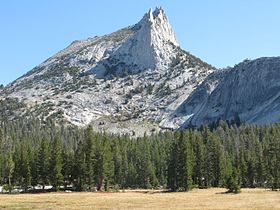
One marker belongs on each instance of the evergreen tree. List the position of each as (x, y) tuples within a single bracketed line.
[(108, 166), (43, 163), (172, 175), (79, 167), (67, 167), (89, 162), (120, 165), (199, 158), (144, 166), (184, 164), (272, 162), (9, 168), (56, 164), (233, 184), (25, 168), (103, 164), (180, 164), (213, 161), (34, 168), (1, 167)]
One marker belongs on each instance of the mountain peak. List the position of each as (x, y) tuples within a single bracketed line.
[(151, 15), (158, 23), (159, 11), (152, 43), (135, 76)]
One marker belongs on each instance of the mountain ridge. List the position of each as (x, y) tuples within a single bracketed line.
[(138, 80), (250, 90), (126, 81)]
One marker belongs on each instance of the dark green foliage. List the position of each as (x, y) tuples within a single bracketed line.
[(79, 167), (67, 171), (233, 183), (9, 169), (34, 152), (181, 164), (103, 165), (199, 153), (213, 161), (56, 176), (43, 163), (89, 161), (23, 168), (145, 177)]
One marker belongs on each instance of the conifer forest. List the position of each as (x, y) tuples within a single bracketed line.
[(67, 157)]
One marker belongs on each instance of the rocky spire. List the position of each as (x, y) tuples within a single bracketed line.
[(159, 25), (152, 43)]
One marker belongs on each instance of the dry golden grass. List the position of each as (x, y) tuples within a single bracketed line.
[(196, 199)]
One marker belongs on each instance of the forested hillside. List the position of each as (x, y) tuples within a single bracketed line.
[(80, 159)]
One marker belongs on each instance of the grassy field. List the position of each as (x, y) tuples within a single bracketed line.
[(214, 198)]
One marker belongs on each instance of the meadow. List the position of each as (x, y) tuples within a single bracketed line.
[(213, 198)]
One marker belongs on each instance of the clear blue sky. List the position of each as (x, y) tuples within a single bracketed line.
[(221, 32)]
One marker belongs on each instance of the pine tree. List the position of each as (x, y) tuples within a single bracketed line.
[(43, 163), (79, 167), (108, 166), (199, 158), (89, 154), (123, 171), (67, 167), (272, 162), (233, 184), (17, 158), (213, 161), (261, 173), (1, 165), (131, 175), (9, 168), (34, 168), (120, 164), (103, 164), (251, 173), (56, 164), (180, 164), (25, 170), (98, 168), (144, 166), (185, 157), (172, 174)]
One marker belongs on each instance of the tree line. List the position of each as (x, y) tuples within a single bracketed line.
[(80, 159)]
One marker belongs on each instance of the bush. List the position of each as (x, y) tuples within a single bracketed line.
[(8, 188), (233, 184)]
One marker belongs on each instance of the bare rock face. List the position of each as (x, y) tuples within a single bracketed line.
[(151, 44), (250, 90), (128, 81), (139, 80)]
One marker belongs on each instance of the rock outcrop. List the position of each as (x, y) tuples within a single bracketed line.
[(127, 82), (250, 90)]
